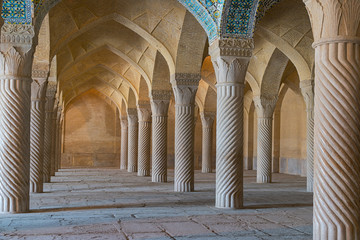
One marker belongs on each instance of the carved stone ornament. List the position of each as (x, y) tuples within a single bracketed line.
[(232, 47), (18, 34), (161, 95), (191, 79), (307, 90), (265, 106)]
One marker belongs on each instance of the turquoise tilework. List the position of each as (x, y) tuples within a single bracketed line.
[(17, 11), (20, 11)]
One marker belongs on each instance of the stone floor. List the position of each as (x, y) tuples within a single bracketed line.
[(110, 204)]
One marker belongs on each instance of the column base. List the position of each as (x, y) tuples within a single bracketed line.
[(36, 187), (143, 173), (228, 202), (132, 169), (123, 167), (183, 187), (206, 170), (263, 179), (159, 178), (12, 206)]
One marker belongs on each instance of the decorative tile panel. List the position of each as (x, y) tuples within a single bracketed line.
[(17, 11), (20, 11), (239, 19)]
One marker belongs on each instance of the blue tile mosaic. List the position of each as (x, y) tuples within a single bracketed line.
[(20, 11)]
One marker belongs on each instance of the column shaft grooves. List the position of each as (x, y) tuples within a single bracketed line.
[(132, 146), (144, 148), (207, 150), (159, 149), (184, 148), (36, 146), (337, 142), (229, 174), (15, 145), (47, 146), (124, 145), (264, 150)]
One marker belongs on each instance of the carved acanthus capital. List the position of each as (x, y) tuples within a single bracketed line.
[(38, 89), (132, 116), (265, 106), (207, 119), (124, 122), (334, 21), (230, 69), (14, 64), (232, 47), (307, 90), (17, 34), (160, 100), (144, 112), (185, 95)]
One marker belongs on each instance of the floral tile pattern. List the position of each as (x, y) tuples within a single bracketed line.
[(20, 11)]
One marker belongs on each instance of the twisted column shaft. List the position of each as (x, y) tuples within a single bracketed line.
[(307, 89), (337, 142), (124, 143), (184, 137), (207, 120), (230, 64), (159, 106), (265, 107), (37, 124), (144, 113), (36, 146), (132, 140), (14, 134), (53, 141)]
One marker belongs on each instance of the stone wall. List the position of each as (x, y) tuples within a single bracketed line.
[(92, 133)]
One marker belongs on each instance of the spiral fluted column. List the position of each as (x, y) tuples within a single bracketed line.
[(53, 139), (49, 106), (159, 106), (336, 119), (265, 106), (133, 127), (184, 88), (15, 96), (37, 124), (124, 143), (207, 120), (144, 113), (307, 90), (230, 59)]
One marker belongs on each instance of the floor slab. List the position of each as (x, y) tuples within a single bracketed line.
[(112, 204)]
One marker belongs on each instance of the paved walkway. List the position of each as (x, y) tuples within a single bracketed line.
[(111, 204)]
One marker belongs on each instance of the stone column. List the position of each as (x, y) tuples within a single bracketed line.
[(49, 107), (336, 119), (159, 106), (53, 139), (58, 139), (207, 120), (265, 106), (15, 93), (230, 59), (124, 143), (37, 124), (144, 113), (307, 90), (184, 87), (132, 139)]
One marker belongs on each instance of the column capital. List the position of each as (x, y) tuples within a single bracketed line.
[(207, 119), (39, 85), (307, 90), (185, 79), (124, 121), (132, 116), (185, 94), (144, 111), (334, 21), (265, 106)]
